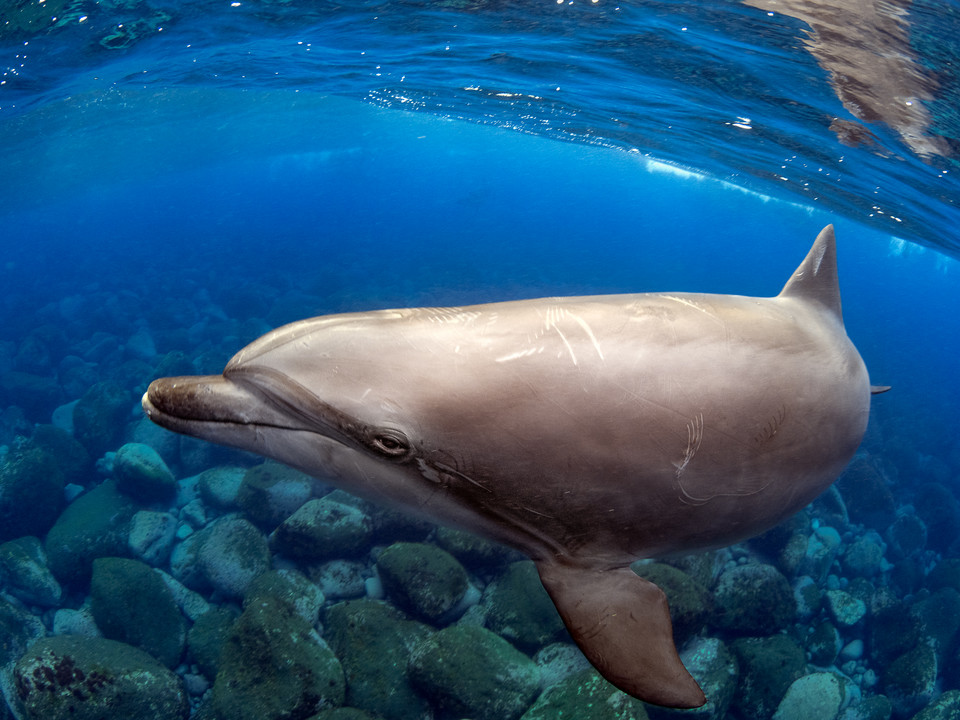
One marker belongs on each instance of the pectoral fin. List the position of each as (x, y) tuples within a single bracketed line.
[(622, 624)]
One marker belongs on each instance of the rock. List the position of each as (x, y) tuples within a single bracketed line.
[(303, 597), (373, 641), (271, 492), (753, 600), (715, 669), (910, 680), (519, 609), (68, 455), (340, 579), (207, 636), (31, 492), (768, 666), (323, 529), (423, 579), (864, 558), (151, 536), (945, 574), (939, 510), (344, 713), (876, 707), (894, 630), (219, 486), (25, 575), (142, 474), (823, 644), (38, 395), (819, 696), (132, 604), (808, 596), (80, 678), (76, 622), (823, 546), (274, 665), (907, 536), (853, 650), (473, 550), (19, 629), (867, 493), (233, 552), (94, 525), (689, 601), (946, 707), (939, 616), (844, 608), (475, 673), (559, 661), (100, 415), (585, 696)]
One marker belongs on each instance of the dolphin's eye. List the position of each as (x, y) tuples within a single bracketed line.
[(392, 443)]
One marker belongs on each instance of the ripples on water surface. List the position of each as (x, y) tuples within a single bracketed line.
[(854, 110)]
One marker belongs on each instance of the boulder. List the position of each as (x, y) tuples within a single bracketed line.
[(373, 641), (132, 604), (585, 695), (269, 493), (519, 609), (423, 579), (25, 575), (472, 672), (79, 678), (323, 529), (31, 492), (142, 474), (753, 599), (274, 665), (819, 695), (99, 417), (231, 554), (151, 536), (768, 666)]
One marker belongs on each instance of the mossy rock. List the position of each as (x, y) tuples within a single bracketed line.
[(768, 666), (946, 707), (231, 554), (474, 551), (207, 636), (324, 529), (142, 474), (472, 672), (689, 601), (823, 644), (753, 600), (83, 678), (100, 416), (24, 573), (585, 695), (68, 454), (275, 665), (94, 525), (300, 594), (423, 579), (910, 680), (373, 641), (31, 492), (519, 609), (131, 603), (269, 493)]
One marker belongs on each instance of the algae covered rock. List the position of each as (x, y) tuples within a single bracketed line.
[(768, 666), (473, 550), (142, 474), (689, 601), (220, 486), (472, 672), (151, 536), (303, 597), (946, 707), (519, 609), (96, 524), (231, 554), (819, 695), (99, 417), (207, 637), (269, 493), (25, 575), (132, 604), (422, 578), (910, 680), (715, 669), (322, 529), (274, 665), (585, 696), (753, 600), (81, 678), (31, 492), (373, 641)]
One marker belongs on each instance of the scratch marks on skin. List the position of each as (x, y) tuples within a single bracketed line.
[(556, 316), (694, 305), (694, 438)]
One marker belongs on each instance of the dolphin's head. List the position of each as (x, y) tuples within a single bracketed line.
[(345, 398)]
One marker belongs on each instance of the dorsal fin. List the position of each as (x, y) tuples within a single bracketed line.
[(816, 278)]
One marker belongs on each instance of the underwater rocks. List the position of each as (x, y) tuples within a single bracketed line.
[(81, 678), (31, 492), (519, 609), (24, 573), (270, 492), (585, 696), (423, 579), (142, 474), (323, 529), (753, 599), (472, 672)]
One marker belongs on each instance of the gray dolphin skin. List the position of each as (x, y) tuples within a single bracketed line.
[(586, 432)]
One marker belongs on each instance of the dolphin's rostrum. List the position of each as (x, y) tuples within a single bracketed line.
[(586, 432)]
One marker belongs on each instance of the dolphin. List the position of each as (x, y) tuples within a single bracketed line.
[(587, 432)]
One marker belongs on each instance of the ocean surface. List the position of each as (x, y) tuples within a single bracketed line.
[(177, 179)]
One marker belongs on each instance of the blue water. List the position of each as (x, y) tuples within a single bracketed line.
[(217, 169)]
